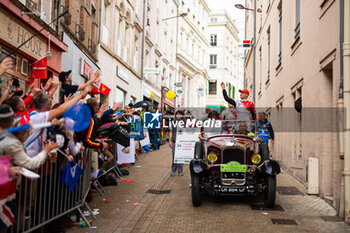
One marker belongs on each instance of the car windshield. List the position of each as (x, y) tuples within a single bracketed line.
[(238, 127), (246, 128)]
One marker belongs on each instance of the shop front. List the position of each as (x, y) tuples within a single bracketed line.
[(167, 106), (15, 29), (151, 95)]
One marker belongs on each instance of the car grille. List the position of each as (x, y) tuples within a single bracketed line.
[(233, 154)]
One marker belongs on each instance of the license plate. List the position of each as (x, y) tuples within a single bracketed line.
[(229, 189)]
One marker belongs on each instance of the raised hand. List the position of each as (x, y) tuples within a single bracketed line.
[(7, 63), (69, 97), (222, 85)]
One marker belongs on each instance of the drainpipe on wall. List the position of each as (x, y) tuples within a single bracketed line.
[(58, 26), (99, 23), (340, 111), (346, 73)]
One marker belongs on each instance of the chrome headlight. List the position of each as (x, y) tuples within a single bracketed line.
[(256, 158), (212, 157)]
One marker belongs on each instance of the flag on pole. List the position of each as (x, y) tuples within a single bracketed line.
[(152, 95), (104, 89), (94, 91), (71, 175), (246, 43), (170, 95), (39, 69)]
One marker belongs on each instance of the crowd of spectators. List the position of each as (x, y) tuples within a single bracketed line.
[(33, 147)]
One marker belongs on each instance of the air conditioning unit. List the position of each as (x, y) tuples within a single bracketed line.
[(313, 176)]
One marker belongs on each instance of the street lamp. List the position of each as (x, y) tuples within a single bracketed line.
[(176, 16), (241, 7)]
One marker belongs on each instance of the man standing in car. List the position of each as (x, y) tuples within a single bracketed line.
[(245, 109)]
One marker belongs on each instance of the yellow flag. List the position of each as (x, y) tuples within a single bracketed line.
[(152, 95), (170, 95)]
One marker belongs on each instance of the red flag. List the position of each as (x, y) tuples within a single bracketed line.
[(94, 91), (104, 89), (39, 69)]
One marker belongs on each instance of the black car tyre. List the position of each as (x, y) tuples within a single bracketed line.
[(270, 192), (196, 190)]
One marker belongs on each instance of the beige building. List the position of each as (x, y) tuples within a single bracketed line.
[(160, 48), (298, 56), (120, 53), (223, 58), (120, 49), (192, 54)]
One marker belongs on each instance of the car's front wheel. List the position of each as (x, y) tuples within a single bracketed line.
[(270, 192), (196, 189)]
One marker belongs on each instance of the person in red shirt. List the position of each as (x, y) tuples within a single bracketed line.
[(245, 109), (21, 106)]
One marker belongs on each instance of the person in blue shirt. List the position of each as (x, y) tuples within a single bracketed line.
[(265, 133)]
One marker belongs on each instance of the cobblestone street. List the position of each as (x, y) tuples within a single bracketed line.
[(173, 212)]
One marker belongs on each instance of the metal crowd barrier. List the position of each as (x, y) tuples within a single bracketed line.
[(48, 198)]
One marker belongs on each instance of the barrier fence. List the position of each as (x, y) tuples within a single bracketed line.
[(48, 198), (41, 201)]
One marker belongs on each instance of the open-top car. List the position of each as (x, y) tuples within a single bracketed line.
[(230, 164)]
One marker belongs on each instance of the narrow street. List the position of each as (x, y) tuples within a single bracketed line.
[(173, 211)]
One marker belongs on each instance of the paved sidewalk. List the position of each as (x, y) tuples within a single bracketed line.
[(174, 212)]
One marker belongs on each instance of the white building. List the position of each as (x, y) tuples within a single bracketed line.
[(160, 48), (224, 60), (120, 49), (120, 53), (192, 62)]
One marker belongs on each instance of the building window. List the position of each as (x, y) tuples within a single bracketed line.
[(280, 35), (33, 5), (212, 63), (213, 40), (121, 96), (213, 20), (268, 53), (212, 87), (297, 20)]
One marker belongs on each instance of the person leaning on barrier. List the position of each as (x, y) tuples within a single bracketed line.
[(12, 144), (43, 113)]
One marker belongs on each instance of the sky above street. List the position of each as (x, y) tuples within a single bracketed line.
[(235, 14), (229, 5)]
